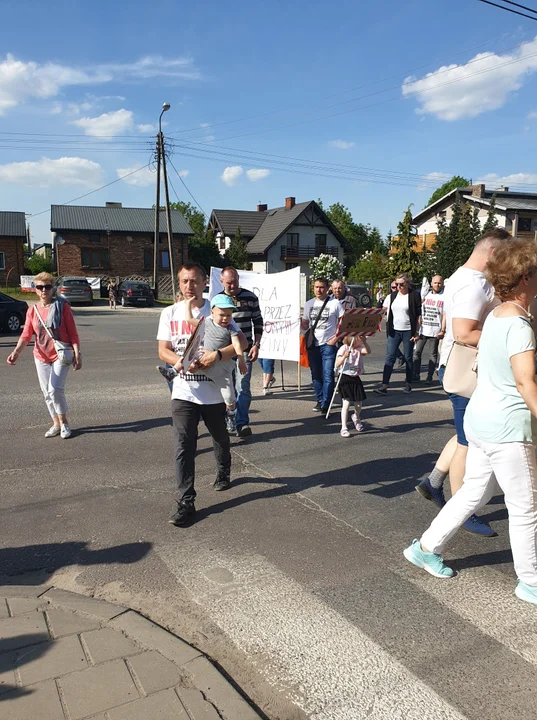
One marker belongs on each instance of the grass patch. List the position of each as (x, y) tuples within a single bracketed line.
[(16, 292), (164, 301)]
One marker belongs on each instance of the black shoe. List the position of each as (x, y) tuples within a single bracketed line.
[(186, 512), (317, 407), (244, 431), (222, 481), (324, 410)]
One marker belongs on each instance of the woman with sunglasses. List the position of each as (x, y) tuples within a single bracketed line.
[(56, 316)]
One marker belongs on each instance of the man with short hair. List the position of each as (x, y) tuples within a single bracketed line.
[(432, 329), (339, 291), (468, 299), (323, 313), (247, 316), (194, 395)]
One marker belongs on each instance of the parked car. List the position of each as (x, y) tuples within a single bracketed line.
[(362, 295), (74, 290), (12, 313), (132, 292)]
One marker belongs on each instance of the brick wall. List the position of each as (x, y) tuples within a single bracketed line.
[(14, 259), (126, 257)]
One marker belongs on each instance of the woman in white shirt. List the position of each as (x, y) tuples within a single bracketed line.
[(498, 424)]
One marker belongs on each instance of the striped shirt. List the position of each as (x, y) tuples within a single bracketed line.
[(247, 314)]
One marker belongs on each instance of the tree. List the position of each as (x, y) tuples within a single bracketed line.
[(491, 221), (443, 250), (356, 234), (405, 259), (466, 235), (372, 266), (38, 263), (326, 267), (457, 181), (202, 248), (237, 252)]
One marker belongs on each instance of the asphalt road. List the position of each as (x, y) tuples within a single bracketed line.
[(294, 579)]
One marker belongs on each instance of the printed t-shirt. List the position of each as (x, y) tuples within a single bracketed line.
[(173, 327), (354, 365), (497, 412), (327, 325), (401, 317), (44, 349), (217, 337), (432, 308), (469, 296)]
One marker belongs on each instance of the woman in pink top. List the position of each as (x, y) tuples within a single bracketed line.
[(58, 318)]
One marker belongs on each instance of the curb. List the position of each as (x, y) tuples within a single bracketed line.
[(210, 684)]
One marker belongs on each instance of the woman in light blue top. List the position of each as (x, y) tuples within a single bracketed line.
[(498, 424)]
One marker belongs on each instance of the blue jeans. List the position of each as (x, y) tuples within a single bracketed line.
[(459, 404), (244, 394), (394, 339), (267, 365), (322, 359)]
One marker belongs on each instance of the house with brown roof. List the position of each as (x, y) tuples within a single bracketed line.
[(280, 238), (12, 238)]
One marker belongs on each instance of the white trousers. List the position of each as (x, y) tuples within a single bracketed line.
[(52, 377), (514, 467)]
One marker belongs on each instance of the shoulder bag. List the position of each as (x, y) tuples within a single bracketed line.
[(66, 354), (309, 335), (460, 375)]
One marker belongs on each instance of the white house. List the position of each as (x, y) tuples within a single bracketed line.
[(280, 238)]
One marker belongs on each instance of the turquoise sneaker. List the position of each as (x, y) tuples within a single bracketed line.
[(430, 562), (526, 592)]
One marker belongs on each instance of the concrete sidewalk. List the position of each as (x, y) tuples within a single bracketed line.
[(65, 656)]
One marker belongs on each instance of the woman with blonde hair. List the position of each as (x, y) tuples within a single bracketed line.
[(498, 424), (56, 348)]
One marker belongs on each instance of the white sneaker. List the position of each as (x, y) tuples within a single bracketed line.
[(65, 432), (53, 431)]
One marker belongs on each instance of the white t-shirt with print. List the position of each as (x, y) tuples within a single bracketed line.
[(327, 325), (174, 328), (468, 296), (432, 309)]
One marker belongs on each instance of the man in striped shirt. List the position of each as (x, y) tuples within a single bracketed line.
[(247, 316)]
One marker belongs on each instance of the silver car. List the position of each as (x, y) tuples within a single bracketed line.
[(75, 290)]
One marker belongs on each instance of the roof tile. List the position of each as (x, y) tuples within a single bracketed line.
[(114, 219)]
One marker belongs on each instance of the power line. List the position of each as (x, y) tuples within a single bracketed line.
[(510, 2), (515, 12), (186, 188)]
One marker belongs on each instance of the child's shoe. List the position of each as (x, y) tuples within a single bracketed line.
[(167, 372), (357, 424), (345, 433)]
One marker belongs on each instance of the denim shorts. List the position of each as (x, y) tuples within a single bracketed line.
[(459, 408)]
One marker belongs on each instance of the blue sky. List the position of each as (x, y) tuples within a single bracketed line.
[(81, 86)]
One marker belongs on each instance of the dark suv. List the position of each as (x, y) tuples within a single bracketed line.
[(361, 293), (132, 292)]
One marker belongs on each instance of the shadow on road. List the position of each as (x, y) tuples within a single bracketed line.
[(28, 648), (133, 426)]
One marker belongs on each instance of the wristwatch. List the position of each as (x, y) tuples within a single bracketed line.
[(258, 345), (219, 353)]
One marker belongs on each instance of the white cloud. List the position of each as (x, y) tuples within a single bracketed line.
[(110, 123), (482, 84), (532, 115), (47, 172), (341, 144), (56, 108), (255, 175), (142, 178), (147, 128), (493, 181), (183, 173), (231, 174), (22, 81), (438, 178), (204, 125)]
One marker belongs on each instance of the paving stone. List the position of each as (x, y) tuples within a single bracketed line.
[(7, 675), (97, 689), (107, 644), (197, 707), (164, 705), (82, 603), (22, 630), (11, 591), (150, 635), (20, 606), (217, 689), (3, 608), (40, 702), (51, 660), (154, 672), (64, 622)]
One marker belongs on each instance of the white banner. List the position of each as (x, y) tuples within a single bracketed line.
[(279, 300), (27, 283)]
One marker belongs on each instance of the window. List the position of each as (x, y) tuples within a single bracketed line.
[(2, 261), (222, 240), (320, 242), (148, 259), (290, 266), (524, 224), (94, 238), (164, 260), (94, 258), (292, 239)]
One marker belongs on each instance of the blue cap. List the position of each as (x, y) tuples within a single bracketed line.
[(223, 301)]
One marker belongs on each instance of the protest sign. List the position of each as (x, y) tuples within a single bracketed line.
[(192, 349), (279, 300), (361, 321), (27, 283)]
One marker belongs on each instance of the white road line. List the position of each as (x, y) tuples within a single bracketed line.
[(323, 662)]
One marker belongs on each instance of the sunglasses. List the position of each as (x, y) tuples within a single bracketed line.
[(43, 287), (400, 284), (394, 287)]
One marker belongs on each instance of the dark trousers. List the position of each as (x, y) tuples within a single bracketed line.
[(395, 338), (433, 357), (185, 418)]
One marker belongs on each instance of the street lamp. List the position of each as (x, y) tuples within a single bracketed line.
[(165, 107)]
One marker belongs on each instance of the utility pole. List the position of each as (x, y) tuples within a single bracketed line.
[(156, 242), (168, 219)]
